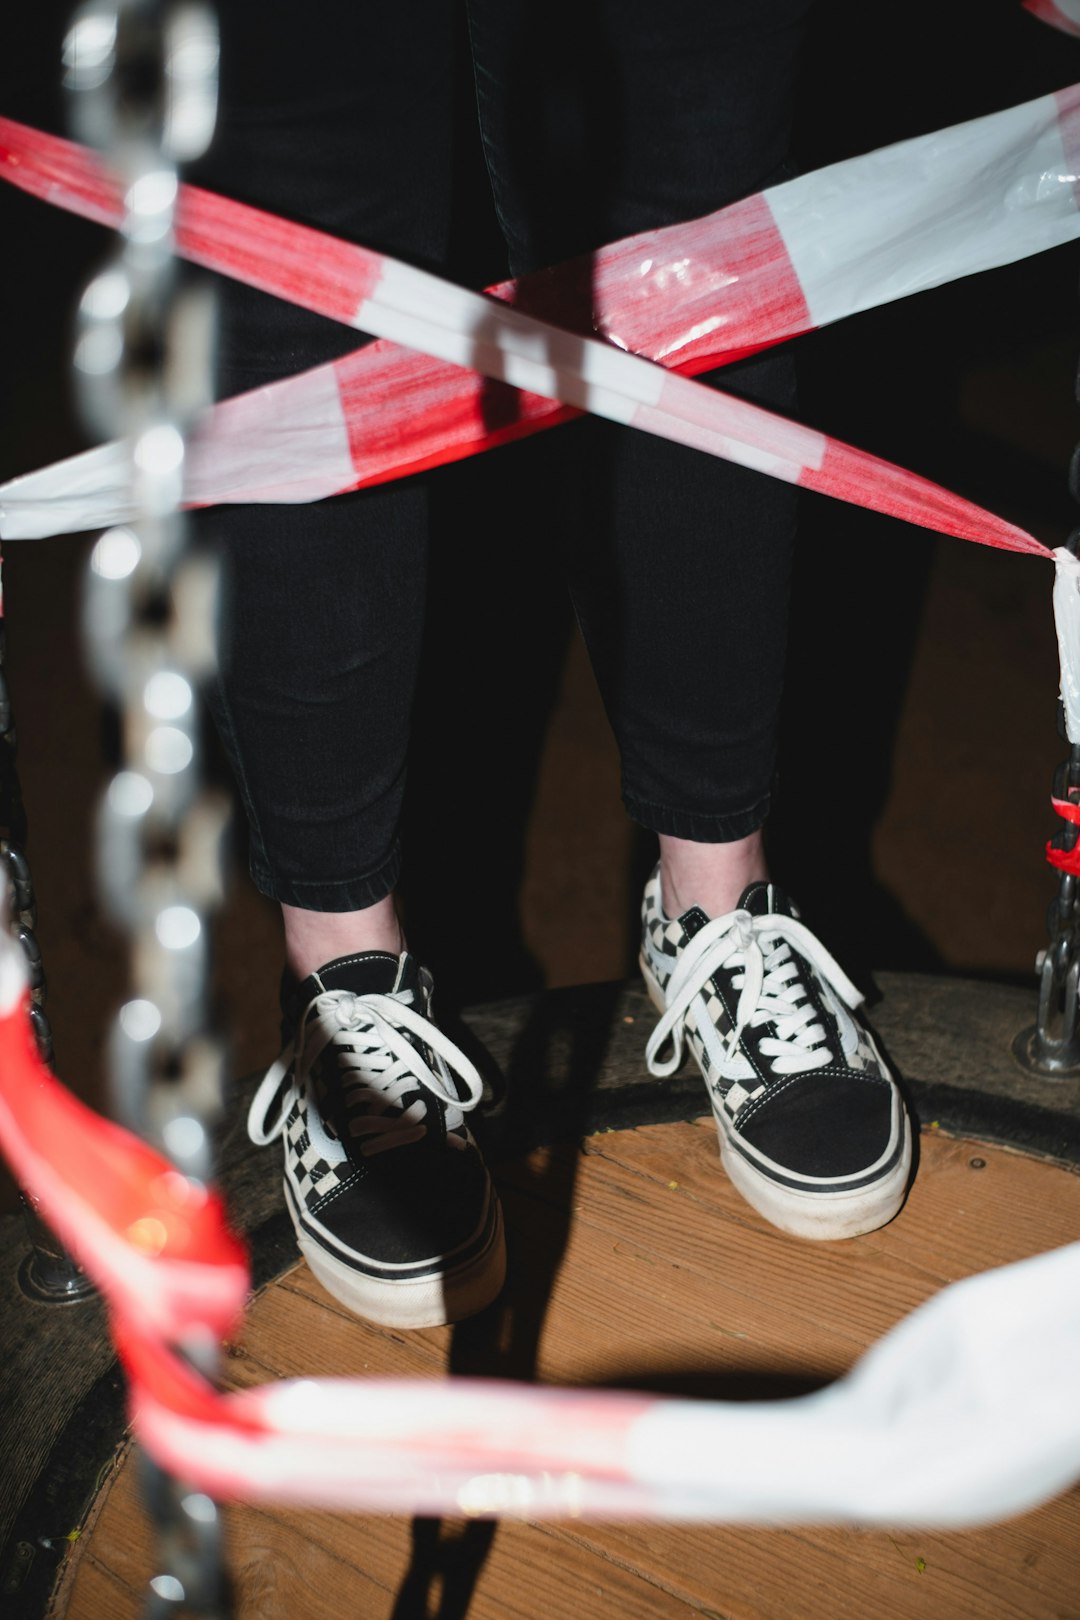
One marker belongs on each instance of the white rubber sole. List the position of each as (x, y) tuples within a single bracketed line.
[(824, 1216), (809, 1213), (423, 1301)]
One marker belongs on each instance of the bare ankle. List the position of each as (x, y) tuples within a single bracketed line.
[(712, 876), (313, 938)]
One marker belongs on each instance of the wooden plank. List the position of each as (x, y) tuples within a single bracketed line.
[(319, 1565), (115, 1554), (275, 1565), (725, 1283), (956, 1217), (1025, 1570), (618, 1276), (292, 1333), (95, 1590), (963, 1219)]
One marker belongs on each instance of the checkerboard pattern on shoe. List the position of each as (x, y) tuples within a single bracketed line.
[(389, 1196), (813, 1130)]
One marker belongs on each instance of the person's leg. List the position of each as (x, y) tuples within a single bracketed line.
[(680, 580), (633, 116), (712, 876), (313, 938), (344, 125)]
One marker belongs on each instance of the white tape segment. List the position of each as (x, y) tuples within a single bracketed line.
[(691, 296), (932, 1428), (933, 209), (1067, 622)]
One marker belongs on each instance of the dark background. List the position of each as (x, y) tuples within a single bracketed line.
[(919, 731)]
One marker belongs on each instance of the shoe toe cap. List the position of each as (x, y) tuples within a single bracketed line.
[(413, 1207), (825, 1124)]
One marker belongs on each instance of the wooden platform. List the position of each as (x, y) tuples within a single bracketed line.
[(635, 1264)]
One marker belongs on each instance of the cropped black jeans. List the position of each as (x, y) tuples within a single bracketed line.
[(598, 118)]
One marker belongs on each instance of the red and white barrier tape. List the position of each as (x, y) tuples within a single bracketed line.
[(1061, 14), (932, 1427), (692, 297)]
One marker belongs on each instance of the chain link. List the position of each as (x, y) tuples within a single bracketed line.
[(144, 79), (143, 365)]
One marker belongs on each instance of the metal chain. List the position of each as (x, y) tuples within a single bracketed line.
[(144, 77)]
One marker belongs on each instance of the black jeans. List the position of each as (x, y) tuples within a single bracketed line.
[(598, 118)]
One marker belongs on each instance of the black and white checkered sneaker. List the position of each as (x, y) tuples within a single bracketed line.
[(813, 1130), (393, 1207)]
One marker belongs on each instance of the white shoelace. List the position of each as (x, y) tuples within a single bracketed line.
[(769, 985), (379, 1067)]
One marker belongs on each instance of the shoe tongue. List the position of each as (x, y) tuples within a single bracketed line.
[(762, 899), (364, 974)]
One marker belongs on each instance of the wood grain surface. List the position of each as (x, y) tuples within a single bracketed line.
[(635, 1264)]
